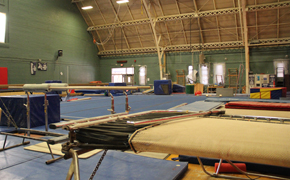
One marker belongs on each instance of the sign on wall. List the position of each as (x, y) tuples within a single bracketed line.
[(32, 68), (42, 66)]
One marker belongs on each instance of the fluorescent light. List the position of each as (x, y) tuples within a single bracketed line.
[(87, 7), (123, 1)]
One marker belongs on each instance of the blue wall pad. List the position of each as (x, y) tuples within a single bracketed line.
[(116, 165), (178, 88), (162, 87), (217, 99), (200, 106), (15, 105)]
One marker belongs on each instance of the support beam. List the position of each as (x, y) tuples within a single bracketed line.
[(251, 8), (104, 21), (182, 26), (236, 21), (217, 21), (157, 40), (170, 42), (122, 29), (247, 55), (136, 27)]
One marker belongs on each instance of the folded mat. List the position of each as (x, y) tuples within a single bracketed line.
[(258, 105)]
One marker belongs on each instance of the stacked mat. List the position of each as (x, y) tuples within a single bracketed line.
[(268, 93), (258, 106), (162, 87)]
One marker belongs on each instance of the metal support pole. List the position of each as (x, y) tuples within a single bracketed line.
[(127, 107), (112, 103), (45, 112), (74, 166), (28, 113), (247, 55)]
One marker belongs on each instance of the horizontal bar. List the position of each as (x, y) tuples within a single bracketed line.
[(28, 137), (16, 145), (67, 123)]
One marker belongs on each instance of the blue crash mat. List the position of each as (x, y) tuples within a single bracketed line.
[(200, 106), (15, 106), (116, 165)]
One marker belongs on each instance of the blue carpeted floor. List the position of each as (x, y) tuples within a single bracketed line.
[(18, 163)]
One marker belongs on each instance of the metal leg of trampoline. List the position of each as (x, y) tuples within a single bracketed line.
[(74, 166), (16, 145), (242, 172), (53, 159)]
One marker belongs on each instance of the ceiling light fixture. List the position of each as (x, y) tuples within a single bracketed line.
[(87, 7), (123, 1)]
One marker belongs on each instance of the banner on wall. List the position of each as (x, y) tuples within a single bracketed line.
[(42, 66), (32, 68)]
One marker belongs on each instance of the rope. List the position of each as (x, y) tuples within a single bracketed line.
[(9, 117)]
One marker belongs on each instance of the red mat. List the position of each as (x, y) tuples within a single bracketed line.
[(258, 105)]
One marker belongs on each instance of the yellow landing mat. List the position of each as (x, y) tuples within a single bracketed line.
[(56, 150)]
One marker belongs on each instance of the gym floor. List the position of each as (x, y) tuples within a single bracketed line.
[(18, 163)]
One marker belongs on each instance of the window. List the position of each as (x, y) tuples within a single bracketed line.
[(2, 27), (203, 73), (219, 73), (142, 75), (281, 67), (189, 77), (280, 70), (118, 74), (190, 68)]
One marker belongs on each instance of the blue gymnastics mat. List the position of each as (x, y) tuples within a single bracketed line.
[(116, 165), (200, 106)]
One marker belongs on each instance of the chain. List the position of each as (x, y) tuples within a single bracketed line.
[(98, 165)]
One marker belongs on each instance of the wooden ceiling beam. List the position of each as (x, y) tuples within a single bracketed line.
[(260, 7), (122, 29), (182, 26), (88, 24), (217, 21), (137, 30), (162, 12), (104, 21), (236, 21)]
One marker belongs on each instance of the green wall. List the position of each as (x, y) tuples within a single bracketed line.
[(261, 61), (37, 30)]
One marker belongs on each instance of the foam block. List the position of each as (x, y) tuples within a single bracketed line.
[(15, 105), (162, 87), (258, 105)]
